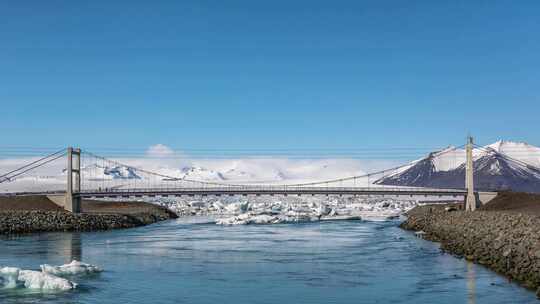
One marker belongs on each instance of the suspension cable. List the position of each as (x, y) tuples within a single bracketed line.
[(172, 178), (434, 154), (507, 157), (34, 162), (10, 178)]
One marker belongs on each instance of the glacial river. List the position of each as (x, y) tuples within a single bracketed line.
[(185, 261)]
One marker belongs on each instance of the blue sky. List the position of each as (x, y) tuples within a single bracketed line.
[(268, 74)]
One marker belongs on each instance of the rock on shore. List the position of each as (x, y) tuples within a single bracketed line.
[(12, 222), (508, 243), (37, 213)]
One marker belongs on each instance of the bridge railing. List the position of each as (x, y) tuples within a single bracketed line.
[(273, 189)]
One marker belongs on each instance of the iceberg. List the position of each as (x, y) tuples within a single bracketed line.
[(290, 217), (73, 268), (48, 279), (12, 277), (44, 281), (238, 207), (291, 209), (341, 218), (8, 277)]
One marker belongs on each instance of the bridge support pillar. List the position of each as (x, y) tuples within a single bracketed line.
[(72, 198), (470, 199)]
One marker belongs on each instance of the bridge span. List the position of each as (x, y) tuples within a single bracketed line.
[(258, 191), (89, 176), (273, 190)]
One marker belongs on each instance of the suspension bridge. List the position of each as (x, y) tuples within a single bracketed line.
[(88, 175)]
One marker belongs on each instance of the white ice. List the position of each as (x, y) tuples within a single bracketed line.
[(44, 281), (8, 277), (12, 277), (73, 268), (48, 279), (289, 209)]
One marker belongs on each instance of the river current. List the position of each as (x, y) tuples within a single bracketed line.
[(192, 261)]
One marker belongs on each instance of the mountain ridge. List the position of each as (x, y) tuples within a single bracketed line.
[(503, 165)]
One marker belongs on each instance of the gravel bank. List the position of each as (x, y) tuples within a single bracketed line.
[(36, 214), (506, 242)]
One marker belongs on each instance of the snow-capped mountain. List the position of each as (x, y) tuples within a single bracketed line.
[(503, 165), (202, 174), (230, 175), (197, 173), (97, 172), (518, 150)]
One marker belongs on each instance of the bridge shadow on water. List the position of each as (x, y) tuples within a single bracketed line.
[(59, 247)]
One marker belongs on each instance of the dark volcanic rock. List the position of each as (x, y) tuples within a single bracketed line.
[(13, 222), (508, 243)]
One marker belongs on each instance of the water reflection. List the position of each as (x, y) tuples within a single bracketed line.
[(471, 283), (59, 248), (71, 247)]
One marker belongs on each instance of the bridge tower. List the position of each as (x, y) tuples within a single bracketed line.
[(72, 198), (470, 203)]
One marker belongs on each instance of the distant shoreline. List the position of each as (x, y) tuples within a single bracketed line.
[(38, 214), (502, 235)]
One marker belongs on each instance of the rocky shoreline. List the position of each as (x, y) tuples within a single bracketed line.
[(508, 243), (16, 222), (27, 214)]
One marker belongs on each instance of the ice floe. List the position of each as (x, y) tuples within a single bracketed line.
[(48, 279), (44, 281), (289, 209), (73, 268), (12, 277), (9, 276)]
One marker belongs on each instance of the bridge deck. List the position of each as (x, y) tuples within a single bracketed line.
[(271, 191), (390, 191)]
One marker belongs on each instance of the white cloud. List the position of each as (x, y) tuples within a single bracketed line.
[(159, 150)]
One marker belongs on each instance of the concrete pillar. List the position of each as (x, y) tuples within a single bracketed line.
[(470, 203), (72, 199), (77, 170)]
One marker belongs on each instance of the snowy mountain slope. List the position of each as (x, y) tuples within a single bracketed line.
[(518, 150), (97, 172), (492, 170), (202, 174), (231, 174)]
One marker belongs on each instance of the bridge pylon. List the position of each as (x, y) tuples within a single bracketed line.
[(72, 198), (470, 201)]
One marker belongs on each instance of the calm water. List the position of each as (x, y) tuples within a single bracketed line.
[(186, 262)]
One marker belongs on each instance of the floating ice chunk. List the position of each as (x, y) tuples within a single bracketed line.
[(8, 277), (290, 217), (12, 277), (73, 268), (218, 205), (376, 216), (199, 204), (238, 207), (44, 281), (295, 209), (324, 210), (241, 219), (263, 219), (341, 218)]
